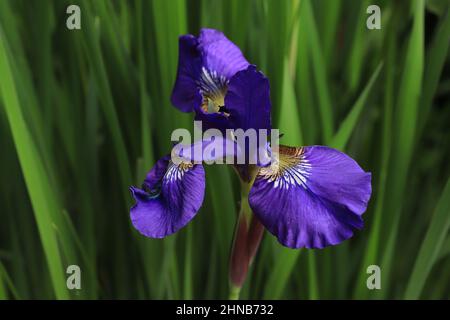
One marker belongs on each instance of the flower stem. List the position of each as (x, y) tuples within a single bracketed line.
[(234, 292), (247, 237)]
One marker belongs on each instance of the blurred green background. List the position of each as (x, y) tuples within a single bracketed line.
[(85, 113)]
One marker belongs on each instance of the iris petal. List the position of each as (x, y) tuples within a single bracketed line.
[(185, 93), (248, 100), (220, 55), (205, 65), (313, 197), (211, 120), (170, 197)]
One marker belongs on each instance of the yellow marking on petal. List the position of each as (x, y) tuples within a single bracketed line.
[(213, 89)]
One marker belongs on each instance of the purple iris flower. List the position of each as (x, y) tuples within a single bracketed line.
[(216, 82), (309, 197)]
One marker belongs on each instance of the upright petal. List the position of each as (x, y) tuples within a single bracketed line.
[(312, 197), (185, 93), (248, 100), (170, 197), (220, 55)]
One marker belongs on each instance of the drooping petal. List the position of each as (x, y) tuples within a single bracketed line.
[(170, 197), (220, 55), (338, 178), (313, 197), (185, 93), (248, 100)]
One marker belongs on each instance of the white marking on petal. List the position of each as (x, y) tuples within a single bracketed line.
[(213, 88), (176, 172), (291, 169)]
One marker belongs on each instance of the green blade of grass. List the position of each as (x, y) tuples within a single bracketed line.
[(33, 171), (3, 293), (320, 73), (169, 22), (187, 277), (344, 132), (276, 15), (371, 252), (289, 115), (285, 261), (6, 279), (304, 88), (405, 127), (237, 18), (222, 200), (115, 42), (445, 251), (94, 54), (330, 11), (431, 245), (313, 285), (435, 59), (356, 54)]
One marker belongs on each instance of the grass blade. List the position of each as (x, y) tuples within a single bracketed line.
[(344, 132), (7, 281), (405, 127), (289, 115), (285, 261), (435, 60), (431, 245), (320, 73), (33, 170)]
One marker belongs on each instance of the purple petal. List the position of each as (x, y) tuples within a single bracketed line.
[(220, 54), (185, 93), (212, 120), (338, 178), (248, 100), (313, 198), (170, 197)]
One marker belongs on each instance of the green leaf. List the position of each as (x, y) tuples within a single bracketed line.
[(320, 73), (431, 245), (405, 122), (5, 280), (342, 136), (435, 59), (280, 273), (289, 115), (33, 170)]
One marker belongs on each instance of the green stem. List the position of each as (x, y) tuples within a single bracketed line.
[(246, 240), (234, 292)]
